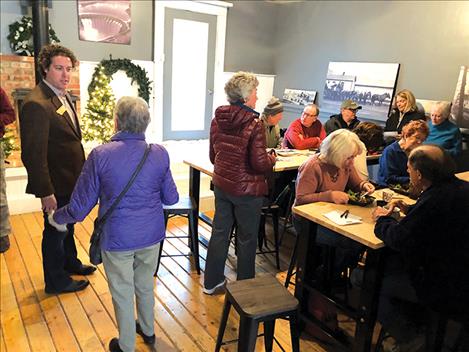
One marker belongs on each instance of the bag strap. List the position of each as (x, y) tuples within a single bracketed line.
[(124, 191)]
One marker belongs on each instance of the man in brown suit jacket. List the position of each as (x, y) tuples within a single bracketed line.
[(53, 156)]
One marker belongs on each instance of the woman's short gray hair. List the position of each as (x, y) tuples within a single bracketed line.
[(240, 87), (443, 107), (340, 145), (132, 114)]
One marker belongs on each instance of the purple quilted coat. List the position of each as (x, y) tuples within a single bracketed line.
[(138, 220), (238, 151)]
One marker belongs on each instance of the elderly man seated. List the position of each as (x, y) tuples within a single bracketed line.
[(427, 265), (271, 116), (346, 119), (306, 132), (443, 132)]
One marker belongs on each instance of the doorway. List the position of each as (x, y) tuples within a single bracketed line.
[(188, 76)]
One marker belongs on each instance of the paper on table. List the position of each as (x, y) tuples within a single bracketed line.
[(334, 216), (390, 134)]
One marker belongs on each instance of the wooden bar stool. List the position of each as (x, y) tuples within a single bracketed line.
[(262, 299), (186, 207)]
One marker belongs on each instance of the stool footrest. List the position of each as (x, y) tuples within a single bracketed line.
[(176, 255)]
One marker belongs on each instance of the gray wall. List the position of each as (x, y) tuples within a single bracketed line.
[(429, 39), (296, 41), (63, 18), (10, 11), (250, 37)]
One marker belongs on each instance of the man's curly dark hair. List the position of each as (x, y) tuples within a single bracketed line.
[(49, 51), (370, 134)]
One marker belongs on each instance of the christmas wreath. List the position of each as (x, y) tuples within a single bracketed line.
[(21, 33), (97, 122)]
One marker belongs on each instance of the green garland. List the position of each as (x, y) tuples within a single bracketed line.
[(20, 36), (97, 122), (134, 72)]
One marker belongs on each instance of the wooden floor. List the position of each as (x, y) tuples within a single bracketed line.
[(186, 319)]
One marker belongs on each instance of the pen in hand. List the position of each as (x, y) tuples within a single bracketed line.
[(345, 214)]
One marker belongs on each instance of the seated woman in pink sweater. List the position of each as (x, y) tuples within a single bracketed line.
[(324, 177)]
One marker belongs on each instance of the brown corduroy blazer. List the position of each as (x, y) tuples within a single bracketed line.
[(51, 148)]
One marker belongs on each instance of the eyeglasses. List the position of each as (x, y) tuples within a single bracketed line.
[(61, 68), (353, 110), (309, 115)]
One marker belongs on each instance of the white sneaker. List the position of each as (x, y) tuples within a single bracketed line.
[(210, 291), (389, 344)]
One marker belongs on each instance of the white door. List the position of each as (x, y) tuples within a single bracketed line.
[(188, 75), (165, 95)]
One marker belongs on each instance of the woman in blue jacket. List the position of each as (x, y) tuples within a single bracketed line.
[(134, 231), (393, 161), (442, 131)]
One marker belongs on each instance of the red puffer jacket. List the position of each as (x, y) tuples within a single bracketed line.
[(238, 151)]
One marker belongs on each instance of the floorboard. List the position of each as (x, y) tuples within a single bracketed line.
[(186, 319)]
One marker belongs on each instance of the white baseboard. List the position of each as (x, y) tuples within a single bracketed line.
[(18, 201)]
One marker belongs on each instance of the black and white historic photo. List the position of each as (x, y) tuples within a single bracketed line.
[(371, 85), (460, 107), (299, 97)]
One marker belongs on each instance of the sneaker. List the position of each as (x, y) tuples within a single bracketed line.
[(416, 344), (114, 345), (149, 340), (210, 291), (4, 243), (389, 344)]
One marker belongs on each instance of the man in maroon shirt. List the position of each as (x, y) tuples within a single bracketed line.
[(306, 132), (7, 116)]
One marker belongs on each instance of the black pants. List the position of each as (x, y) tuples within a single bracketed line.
[(59, 252), (246, 210)]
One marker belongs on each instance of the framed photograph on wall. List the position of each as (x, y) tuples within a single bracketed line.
[(460, 107), (104, 21), (299, 97), (371, 85)]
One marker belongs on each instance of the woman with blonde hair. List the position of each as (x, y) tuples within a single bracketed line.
[(404, 110), (324, 178)]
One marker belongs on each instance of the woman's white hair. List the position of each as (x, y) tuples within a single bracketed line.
[(338, 146), (132, 114), (443, 107), (240, 86)]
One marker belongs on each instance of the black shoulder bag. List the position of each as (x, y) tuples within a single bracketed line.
[(95, 240)]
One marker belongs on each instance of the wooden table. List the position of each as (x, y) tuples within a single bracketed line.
[(201, 164), (463, 175), (373, 271), (373, 159)]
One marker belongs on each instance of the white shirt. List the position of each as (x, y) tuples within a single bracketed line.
[(63, 99)]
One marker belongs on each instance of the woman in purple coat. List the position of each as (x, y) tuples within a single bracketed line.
[(134, 231)]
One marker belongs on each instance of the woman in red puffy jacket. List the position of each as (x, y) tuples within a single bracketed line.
[(241, 163)]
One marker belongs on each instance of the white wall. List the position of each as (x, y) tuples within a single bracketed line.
[(264, 90)]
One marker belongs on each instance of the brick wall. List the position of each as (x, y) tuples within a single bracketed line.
[(18, 72)]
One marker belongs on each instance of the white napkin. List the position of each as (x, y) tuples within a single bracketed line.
[(334, 216)]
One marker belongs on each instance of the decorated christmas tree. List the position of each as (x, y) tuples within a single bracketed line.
[(97, 122), (8, 141)]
